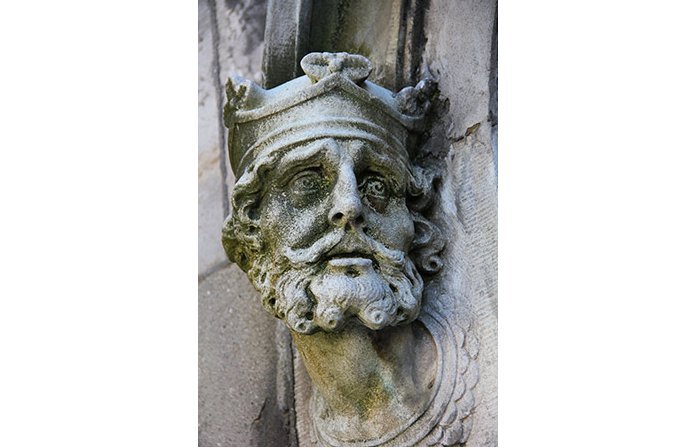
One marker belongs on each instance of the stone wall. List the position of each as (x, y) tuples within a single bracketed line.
[(243, 396), (237, 355), (231, 37), (459, 54)]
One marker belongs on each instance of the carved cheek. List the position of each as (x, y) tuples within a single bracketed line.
[(286, 225), (395, 227)]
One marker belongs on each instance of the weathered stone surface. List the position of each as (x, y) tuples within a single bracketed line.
[(240, 45), (286, 40), (230, 41), (240, 37), (211, 193), (238, 403), (365, 27), (238, 393), (331, 221), (458, 53)]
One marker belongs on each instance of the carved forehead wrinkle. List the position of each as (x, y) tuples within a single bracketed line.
[(296, 156)]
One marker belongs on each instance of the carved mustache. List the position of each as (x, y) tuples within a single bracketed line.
[(386, 293), (338, 242)]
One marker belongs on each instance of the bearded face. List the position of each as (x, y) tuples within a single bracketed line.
[(334, 233), (345, 274)]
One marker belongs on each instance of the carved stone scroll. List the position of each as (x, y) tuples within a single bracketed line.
[(329, 219)]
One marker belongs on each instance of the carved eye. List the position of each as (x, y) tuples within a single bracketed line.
[(306, 185), (375, 191), (306, 181)]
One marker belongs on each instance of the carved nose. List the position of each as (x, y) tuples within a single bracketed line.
[(348, 212), (346, 207)]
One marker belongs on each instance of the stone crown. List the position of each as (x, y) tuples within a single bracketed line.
[(333, 99)]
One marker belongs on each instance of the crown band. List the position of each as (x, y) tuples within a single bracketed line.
[(329, 127)]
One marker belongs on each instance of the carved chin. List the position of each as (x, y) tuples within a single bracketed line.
[(351, 286)]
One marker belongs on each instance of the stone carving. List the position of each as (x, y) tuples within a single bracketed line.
[(328, 220)]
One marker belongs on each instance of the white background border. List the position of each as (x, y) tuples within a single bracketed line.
[(597, 175)]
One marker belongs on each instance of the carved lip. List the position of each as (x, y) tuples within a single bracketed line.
[(350, 252), (350, 247), (348, 260)]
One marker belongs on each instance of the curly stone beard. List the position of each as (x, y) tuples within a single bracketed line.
[(311, 290)]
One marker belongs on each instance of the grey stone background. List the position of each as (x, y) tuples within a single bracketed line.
[(238, 348), (237, 356)]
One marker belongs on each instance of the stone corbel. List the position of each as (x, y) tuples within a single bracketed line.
[(329, 219)]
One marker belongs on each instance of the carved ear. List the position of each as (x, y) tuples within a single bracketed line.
[(320, 65)]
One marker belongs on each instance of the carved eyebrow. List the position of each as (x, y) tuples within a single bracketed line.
[(304, 155), (392, 170)]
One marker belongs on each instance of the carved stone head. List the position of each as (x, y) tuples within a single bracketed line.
[(326, 214)]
